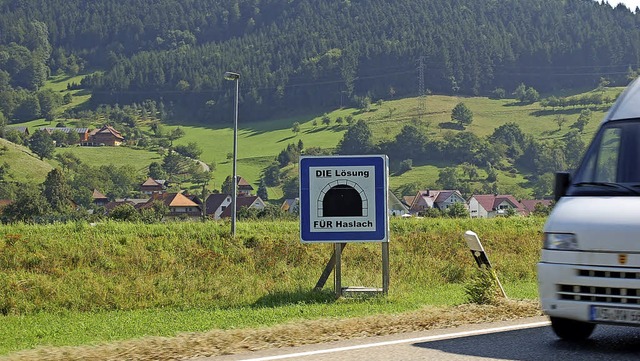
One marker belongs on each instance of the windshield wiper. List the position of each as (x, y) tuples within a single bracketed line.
[(607, 184)]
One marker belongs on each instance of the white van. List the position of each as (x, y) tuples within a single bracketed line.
[(589, 271)]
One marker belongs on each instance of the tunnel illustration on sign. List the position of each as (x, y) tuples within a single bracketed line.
[(343, 198)]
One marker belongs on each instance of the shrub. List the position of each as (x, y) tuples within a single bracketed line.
[(482, 288)]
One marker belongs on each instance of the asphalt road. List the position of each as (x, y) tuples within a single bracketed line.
[(528, 339)]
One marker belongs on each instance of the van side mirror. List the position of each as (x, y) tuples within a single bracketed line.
[(563, 180)]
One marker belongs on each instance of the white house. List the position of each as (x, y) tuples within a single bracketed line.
[(395, 206), (440, 199), (216, 204)]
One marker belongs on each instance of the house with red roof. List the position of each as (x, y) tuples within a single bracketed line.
[(4, 203), (530, 204), (440, 199), (494, 205)]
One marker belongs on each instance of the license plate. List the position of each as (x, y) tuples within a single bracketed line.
[(615, 315)]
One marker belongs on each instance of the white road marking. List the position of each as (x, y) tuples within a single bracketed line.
[(408, 340)]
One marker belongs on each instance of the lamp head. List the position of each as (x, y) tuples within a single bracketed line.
[(229, 75)]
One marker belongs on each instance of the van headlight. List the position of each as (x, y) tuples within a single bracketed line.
[(560, 241)]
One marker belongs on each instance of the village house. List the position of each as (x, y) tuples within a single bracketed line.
[(180, 206), (217, 203), (109, 207), (530, 204), (4, 203), (99, 199), (83, 133), (493, 205), (244, 188), (439, 199), (396, 206), (106, 135), (152, 186), (244, 202), (24, 131), (291, 205)]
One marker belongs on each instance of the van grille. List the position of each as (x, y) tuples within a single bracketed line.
[(608, 274), (599, 294)]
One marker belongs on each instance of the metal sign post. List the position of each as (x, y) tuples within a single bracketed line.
[(343, 199)]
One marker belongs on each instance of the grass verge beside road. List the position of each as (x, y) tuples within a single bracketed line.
[(76, 284), (218, 342)]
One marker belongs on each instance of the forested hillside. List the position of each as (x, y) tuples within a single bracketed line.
[(301, 54)]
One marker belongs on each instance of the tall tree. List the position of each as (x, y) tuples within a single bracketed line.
[(262, 190), (176, 134), (521, 92), (41, 143), (29, 204), (448, 178), (68, 160), (574, 148), (512, 137), (271, 175), (295, 128), (57, 191), (227, 185), (175, 164), (156, 171), (357, 139), (462, 115), (583, 120)]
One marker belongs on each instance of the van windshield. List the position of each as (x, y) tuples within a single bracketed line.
[(611, 166)]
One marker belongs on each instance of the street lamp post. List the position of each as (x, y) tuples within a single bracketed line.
[(229, 75)]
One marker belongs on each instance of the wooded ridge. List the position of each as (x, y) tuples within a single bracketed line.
[(305, 54)]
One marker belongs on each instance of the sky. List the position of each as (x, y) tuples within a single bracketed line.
[(631, 4)]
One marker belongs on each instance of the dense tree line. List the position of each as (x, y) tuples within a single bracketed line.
[(305, 53)]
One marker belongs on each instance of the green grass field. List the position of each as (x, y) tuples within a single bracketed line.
[(75, 284), (24, 166), (58, 83), (139, 159)]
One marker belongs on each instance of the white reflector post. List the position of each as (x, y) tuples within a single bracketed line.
[(481, 256), (476, 249)]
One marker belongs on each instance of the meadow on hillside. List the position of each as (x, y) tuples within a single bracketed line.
[(260, 142), (23, 164)]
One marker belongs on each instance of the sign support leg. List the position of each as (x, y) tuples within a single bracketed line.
[(385, 268), (338, 269), (327, 271)]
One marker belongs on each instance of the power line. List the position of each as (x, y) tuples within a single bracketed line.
[(422, 64), (421, 91)]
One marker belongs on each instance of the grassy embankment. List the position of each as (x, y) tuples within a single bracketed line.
[(75, 284)]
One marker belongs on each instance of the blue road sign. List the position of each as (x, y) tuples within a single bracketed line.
[(344, 199)]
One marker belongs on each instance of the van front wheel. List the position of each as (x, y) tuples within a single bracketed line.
[(571, 330)]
